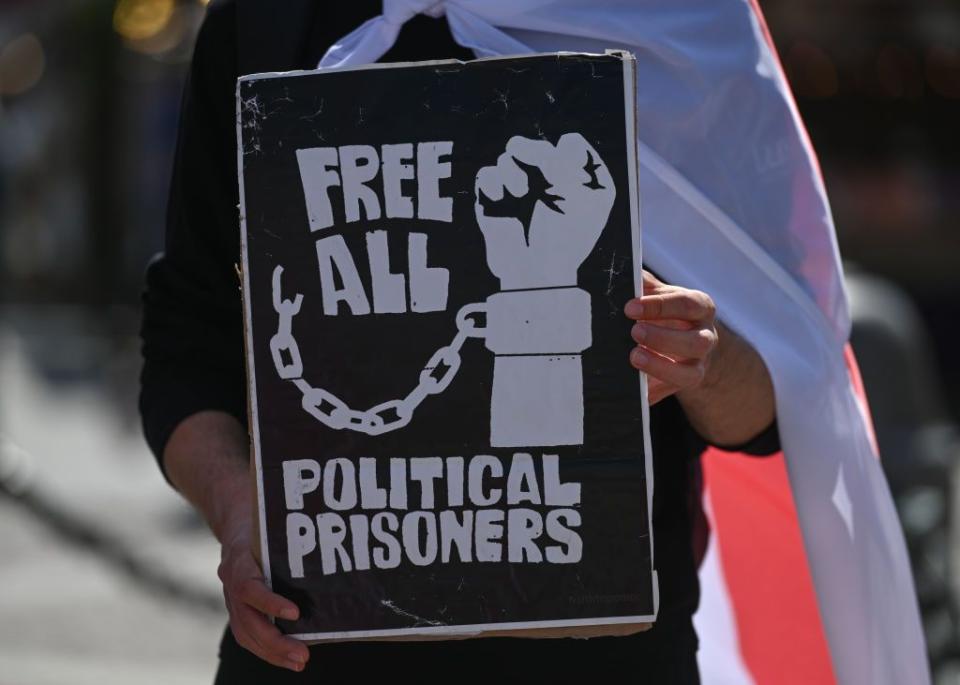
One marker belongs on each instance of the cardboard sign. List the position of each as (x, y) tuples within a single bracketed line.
[(448, 437)]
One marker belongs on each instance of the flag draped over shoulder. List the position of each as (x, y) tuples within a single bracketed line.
[(733, 203)]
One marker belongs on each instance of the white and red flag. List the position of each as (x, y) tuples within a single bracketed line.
[(806, 578)]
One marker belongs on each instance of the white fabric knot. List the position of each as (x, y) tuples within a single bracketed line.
[(368, 42), (399, 12)]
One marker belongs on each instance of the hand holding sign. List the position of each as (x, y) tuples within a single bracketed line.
[(250, 602), (541, 209), (676, 334)]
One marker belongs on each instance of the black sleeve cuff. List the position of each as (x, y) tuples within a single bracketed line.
[(168, 396), (764, 444)]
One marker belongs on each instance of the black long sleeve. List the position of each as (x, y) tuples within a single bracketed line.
[(192, 322)]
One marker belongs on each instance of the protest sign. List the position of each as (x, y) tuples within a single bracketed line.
[(448, 438)]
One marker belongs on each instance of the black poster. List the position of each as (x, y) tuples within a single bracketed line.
[(448, 436)]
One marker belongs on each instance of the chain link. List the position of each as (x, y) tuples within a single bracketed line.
[(330, 410), (283, 339)]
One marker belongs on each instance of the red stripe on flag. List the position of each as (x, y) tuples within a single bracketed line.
[(853, 369), (759, 540), (766, 571)]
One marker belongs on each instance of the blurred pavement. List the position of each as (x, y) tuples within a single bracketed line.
[(72, 610)]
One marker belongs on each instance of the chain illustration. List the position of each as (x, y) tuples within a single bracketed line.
[(330, 410)]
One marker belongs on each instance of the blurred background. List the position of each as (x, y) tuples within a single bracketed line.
[(97, 552)]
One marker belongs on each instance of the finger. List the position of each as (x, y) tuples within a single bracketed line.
[(691, 344), (241, 618), (579, 153), (242, 634), (253, 591), (490, 183), (686, 305), (650, 282), (267, 642), (657, 390), (680, 374), (532, 151), (677, 325), (511, 176)]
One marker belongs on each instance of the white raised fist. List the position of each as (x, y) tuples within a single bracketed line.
[(541, 209)]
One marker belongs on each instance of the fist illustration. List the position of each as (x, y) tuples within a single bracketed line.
[(541, 209)]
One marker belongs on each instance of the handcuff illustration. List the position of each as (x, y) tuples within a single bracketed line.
[(537, 325)]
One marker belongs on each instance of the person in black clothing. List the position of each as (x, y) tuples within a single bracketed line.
[(707, 387)]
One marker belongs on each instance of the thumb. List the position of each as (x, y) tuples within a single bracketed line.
[(650, 282)]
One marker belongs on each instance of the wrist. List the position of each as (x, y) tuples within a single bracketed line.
[(228, 502), (541, 321), (207, 460), (233, 521), (236, 527), (537, 393)]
